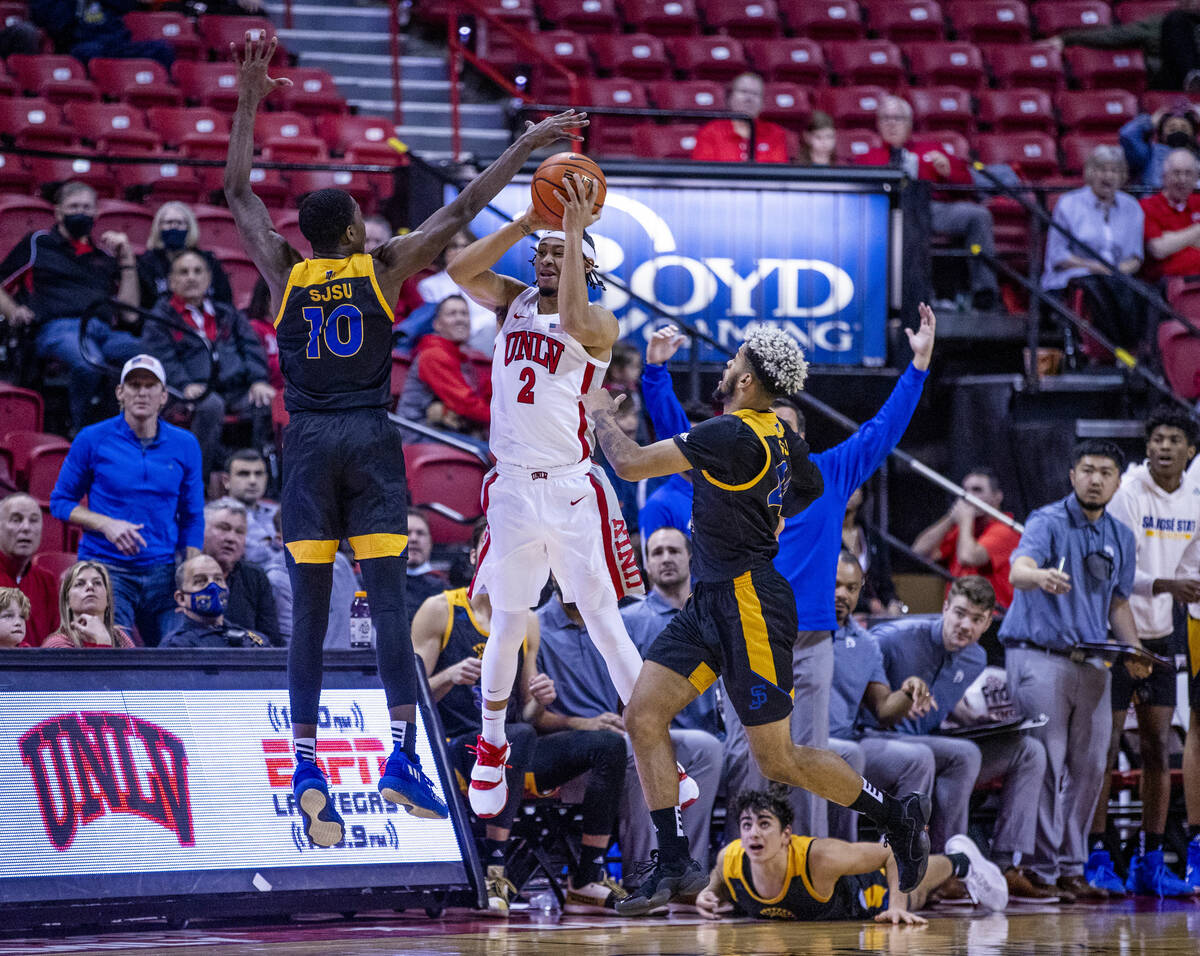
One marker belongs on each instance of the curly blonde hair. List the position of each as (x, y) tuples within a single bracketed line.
[(777, 360)]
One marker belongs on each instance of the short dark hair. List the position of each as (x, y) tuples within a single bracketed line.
[(420, 514), (784, 402), (772, 800), (975, 589), (849, 557), (984, 471), (453, 295), (245, 454), (1099, 448), (477, 532), (670, 527), (191, 252), (1172, 416), (325, 215)]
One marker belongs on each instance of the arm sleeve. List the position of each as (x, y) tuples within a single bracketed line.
[(1134, 140), (662, 405), (1036, 542), (878, 674), (445, 378), (74, 478), (725, 447), (190, 513), (850, 463), (806, 484)]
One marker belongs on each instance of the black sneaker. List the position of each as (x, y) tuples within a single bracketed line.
[(666, 882), (907, 837)]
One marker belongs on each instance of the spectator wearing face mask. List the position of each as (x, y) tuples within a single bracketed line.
[(201, 597), (1148, 140), (173, 231)]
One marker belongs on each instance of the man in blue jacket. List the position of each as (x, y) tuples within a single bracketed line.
[(145, 495), (808, 549)]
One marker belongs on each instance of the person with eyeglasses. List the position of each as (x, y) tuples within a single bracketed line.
[(1073, 575)]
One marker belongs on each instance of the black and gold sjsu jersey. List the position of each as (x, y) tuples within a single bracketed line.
[(859, 896), (335, 336), (749, 471)]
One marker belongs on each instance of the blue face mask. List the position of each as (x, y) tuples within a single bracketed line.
[(174, 238), (209, 601)]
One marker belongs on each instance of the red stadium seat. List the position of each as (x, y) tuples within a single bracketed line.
[(1141, 9), (438, 474), (852, 143), (22, 445), (866, 62), (789, 104), (284, 124), (1032, 154), (208, 84), (663, 18), (243, 274), (205, 146), (583, 16), (176, 123), (42, 468), (1077, 147), (707, 58), (613, 135), (301, 182), (665, 142), (1095, 110), (953, 143), (990, 21), (14, 174), (131, 218), (21, 409), (1095, 69), (55, 563), (908, 21), (164, 181), (8, 86), (687, 95), (401, 364), (942, 107), (1154, 100), (1180, 350), (20, 215), (60, 79), (218, 32), (295, 149), (1058, 16), (796, 60), (745, 19), (852, 106), (111, 122), (35, 123), (1027, 64), (568, 50), (287, 224), (633, 56), (140, 83), (1018, 109), (496, 45), (344, 132), (58, 171), (217, 227), (172, 28), (946, 64), (823, 20), (312, 92)]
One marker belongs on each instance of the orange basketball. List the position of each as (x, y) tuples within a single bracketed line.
[(549, 177)]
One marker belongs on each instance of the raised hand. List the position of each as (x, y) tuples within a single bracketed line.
[(921, 341), (663, 345), (554, 128), (253, 82), (578, 201)]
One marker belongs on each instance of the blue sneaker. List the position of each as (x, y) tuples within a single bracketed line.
[(1100, 872), (1149, 876), (1191, 875), (322, 823), (404, 783)]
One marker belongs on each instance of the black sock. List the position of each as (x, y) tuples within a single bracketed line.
[(1099, 841), (1149, 842), (878, 807), (493, 852), (1193, 832), (404, 733), (672, 843), (960, 864), (591, 865)]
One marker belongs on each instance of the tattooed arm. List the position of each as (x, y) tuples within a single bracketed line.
[(630, 460)]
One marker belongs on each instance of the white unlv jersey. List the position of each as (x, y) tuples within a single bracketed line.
[(538, 374)]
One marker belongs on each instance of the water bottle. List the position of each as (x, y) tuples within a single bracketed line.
[(360, 621)]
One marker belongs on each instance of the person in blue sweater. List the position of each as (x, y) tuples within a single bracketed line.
[(142, 480), (808, 547)]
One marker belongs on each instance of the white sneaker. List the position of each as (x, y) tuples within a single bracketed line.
[(488, 792), (689, 790), (500, 891), (984, 881), (597, 898)]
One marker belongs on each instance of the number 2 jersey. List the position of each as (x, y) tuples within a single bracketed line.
[(539, 371), (748, 472), (335, 336)]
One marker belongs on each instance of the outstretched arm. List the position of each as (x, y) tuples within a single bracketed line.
[(272, 254), (471, 269), (630, 461), (405, 255)]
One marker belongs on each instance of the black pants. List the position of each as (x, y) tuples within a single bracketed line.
[(563, 756), (1180, 48), (1114, 310)]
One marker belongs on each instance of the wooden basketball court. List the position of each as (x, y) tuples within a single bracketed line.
[(1130, 928)]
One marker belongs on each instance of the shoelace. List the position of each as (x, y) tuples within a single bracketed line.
[(474, 750), (645, 867), (500, 886)]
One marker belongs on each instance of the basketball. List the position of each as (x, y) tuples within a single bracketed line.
[(549, 177)]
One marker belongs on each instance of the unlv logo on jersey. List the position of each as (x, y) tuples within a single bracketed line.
[(100, 762), (528, 346)]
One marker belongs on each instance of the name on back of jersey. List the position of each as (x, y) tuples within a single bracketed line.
[(524, 345), (339, 290)]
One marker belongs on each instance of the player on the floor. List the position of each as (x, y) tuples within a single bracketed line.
[(749, 474), (549, 507), (343, 466), (772, 873)]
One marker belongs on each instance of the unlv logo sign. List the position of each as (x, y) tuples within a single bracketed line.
[(84, 765)]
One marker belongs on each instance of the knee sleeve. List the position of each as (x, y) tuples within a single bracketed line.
[(499, 664), (607, 630)]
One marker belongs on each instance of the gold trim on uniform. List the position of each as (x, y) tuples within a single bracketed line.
[(797, 866), (312, 272), (754, 628), (378, 545), (312, 551), (764, 424), (702, 677)]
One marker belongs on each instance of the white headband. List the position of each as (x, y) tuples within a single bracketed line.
[(559, 234)]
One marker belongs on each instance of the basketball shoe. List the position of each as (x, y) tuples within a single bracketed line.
[(322, 823), (489, 787), (405, 784)]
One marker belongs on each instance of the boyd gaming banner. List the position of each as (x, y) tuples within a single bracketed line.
[(725, 256), (140, 782)]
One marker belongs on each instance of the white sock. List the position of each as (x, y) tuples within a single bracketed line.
[(307, 747), (606, 628), (498, 668), (493, 727)]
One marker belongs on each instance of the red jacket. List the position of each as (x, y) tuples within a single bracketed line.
[(719, 142), (959, 173), (444, 366), (41, 589)]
